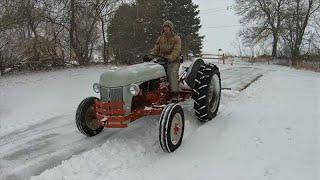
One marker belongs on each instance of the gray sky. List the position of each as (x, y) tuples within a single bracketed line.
[(219, 25)]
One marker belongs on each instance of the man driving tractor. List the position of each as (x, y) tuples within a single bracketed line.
[(168, 45)]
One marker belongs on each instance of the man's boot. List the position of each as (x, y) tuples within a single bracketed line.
[(175, 97)]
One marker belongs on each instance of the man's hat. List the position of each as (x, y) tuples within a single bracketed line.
[(169, 24)]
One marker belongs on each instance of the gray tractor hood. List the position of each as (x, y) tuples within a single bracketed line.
[(138, 73)]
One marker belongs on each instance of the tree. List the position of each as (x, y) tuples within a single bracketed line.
[(315, 40), (85, 18), (237, 44), (150, 16), (39, 32), (122, 34), (1, 59), (134, 28), (104, 9), (262, 19), (83, 30), (297, 18)]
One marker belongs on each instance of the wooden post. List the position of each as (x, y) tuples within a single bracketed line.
[(223, 58)]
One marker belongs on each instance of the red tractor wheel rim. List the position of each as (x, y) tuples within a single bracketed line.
[(176, 129)]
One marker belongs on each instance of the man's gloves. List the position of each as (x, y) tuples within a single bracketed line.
[(147, 58), (155, 58)]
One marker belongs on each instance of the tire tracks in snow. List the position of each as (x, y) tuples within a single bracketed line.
[(238, 78), (30, 131), (31, 151)]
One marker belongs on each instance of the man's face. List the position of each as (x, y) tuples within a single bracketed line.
[(166, 29)]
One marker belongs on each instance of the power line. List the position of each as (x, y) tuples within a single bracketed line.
[(228, 7), (220, 27), (214, 12), (213, 9)]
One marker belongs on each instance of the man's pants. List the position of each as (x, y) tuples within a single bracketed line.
[(172, 74)]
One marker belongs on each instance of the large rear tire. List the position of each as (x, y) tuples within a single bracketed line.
[(207, 92), (171, 127), (193, 71), (86, 120)]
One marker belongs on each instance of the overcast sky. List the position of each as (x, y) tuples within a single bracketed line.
[(219, 25)]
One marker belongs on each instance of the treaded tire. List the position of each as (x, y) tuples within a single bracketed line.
[(171, 117), (206, 103), (82, 116), (192, 72)]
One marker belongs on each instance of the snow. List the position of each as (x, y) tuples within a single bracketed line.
[(269, 130)]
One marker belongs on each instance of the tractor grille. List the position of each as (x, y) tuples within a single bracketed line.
[(112, 94), (116, 94)]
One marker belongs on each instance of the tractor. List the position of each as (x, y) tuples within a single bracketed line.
[(131, 92)]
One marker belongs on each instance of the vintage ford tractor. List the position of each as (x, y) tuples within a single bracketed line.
[(129, 93)]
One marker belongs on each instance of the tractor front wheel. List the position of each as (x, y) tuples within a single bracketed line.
[(86, 120), (171, 127)]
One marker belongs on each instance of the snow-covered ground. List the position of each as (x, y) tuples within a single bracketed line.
[(270, 130)]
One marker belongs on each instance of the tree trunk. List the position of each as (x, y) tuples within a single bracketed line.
[(295, 57), (1, 64), (296, 50), (274, 46), (108, 53), (32, 26), (90, 53), (72, 28), (105, 57)]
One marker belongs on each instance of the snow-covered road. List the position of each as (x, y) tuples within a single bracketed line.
[(253, 129)]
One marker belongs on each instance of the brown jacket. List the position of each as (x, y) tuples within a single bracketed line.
[(168, 47)]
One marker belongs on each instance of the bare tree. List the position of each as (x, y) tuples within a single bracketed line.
[(262, 19), (84, 21), (39, 32), (297, 18), (1, 58), (237, 44), (82, 32), (104, 10), (316, 39)]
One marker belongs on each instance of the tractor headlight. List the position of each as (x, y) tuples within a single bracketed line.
[(134, 89), (96, 87)]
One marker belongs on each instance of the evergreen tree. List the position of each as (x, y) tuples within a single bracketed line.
[(135, 27), (122, 33), (154, 14)]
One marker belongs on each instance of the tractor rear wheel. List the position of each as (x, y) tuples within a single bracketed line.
[(207, 92), (86, 120), (171, 127)]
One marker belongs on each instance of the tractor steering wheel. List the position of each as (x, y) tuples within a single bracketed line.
[(155, 58)]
